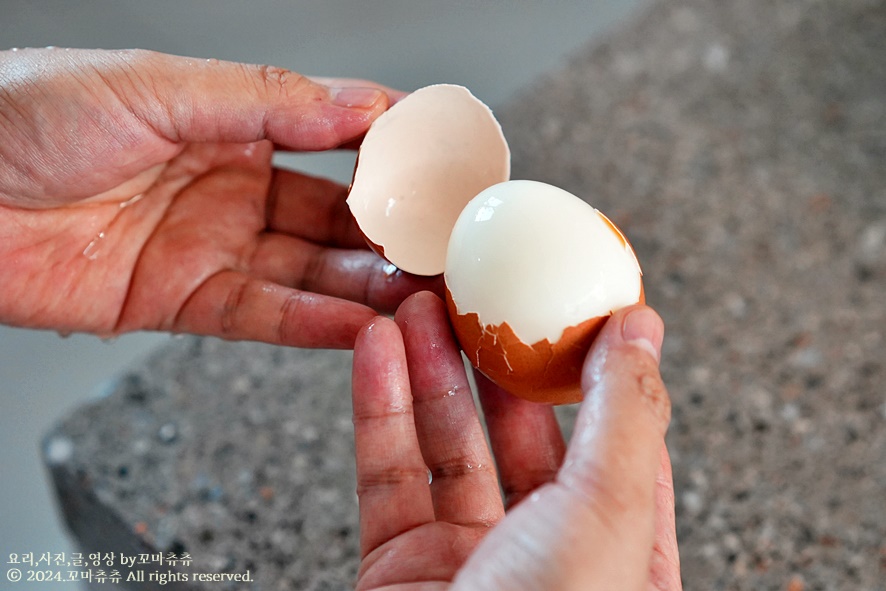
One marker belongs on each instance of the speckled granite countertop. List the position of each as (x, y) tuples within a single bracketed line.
[(742, 147)]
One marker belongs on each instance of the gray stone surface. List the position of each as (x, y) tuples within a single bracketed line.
[(741, 146), (239, 454)]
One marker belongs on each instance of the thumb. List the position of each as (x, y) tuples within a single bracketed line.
[(80, 122), (195, 100), (614, 456), (594, 526)]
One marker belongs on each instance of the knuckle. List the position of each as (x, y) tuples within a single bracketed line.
[(458, 466), (233, 304), (289, 316), (278, 82), (389, 477), (394, 411)]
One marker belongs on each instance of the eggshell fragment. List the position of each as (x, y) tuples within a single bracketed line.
[(418, 165), (532, 274)]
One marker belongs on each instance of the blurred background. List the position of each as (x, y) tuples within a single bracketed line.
[(493, 47)]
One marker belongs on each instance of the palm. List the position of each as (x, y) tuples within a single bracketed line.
[(207, 226), (106, 246), (202, 244), (424, 558)]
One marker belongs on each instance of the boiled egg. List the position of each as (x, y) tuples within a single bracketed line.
[(531, 271)]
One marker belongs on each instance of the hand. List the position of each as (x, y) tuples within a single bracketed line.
[(600, 518), (137, 192)]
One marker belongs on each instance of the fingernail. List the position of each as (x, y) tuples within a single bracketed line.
[(354, 97), (642, 327)]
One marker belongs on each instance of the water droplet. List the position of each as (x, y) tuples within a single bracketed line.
[(14, 49), (212, 61), (430, 476), (93, 248), (452, 392), (131, 200)]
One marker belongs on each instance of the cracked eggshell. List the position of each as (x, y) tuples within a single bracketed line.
[(418, 166), (532, 273)]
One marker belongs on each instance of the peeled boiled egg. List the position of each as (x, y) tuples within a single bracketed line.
[(531, 271)]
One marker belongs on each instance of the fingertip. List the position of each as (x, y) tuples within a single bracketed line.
[(404, 311), (637, 330), (373, 327), (419, 303), (642, 327), (368, 326), (621, 370)]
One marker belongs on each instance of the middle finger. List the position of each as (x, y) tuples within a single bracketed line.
[(356, 275), (465, 487)]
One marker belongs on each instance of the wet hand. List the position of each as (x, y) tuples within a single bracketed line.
[(137, 193), (598, 515)]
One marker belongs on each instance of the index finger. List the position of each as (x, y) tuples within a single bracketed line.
[(392, 478)]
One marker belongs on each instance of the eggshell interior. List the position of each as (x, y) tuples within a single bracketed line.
[(420, 163)]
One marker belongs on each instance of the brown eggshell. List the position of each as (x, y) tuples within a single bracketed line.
[(543, 372)]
